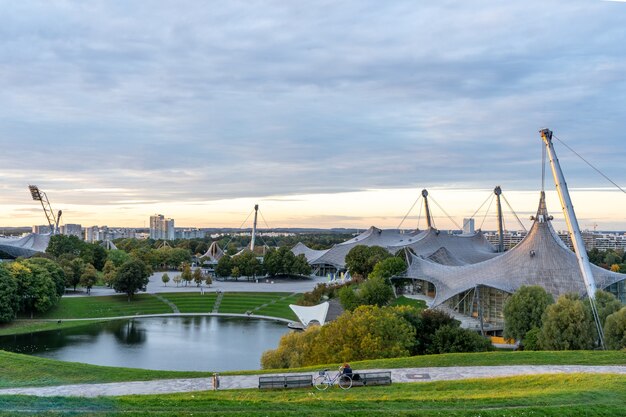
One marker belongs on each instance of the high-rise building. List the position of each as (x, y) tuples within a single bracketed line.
[(468, 226), (72, 230), (162, 228)]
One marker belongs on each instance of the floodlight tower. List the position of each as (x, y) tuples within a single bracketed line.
[(53, 221), (574, 229), (256, 212)]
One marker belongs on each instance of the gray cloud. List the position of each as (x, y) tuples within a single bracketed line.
[(189, 102)]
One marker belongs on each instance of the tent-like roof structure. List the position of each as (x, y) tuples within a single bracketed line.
[(214, 253), (26, 246), (468, 249), (311, 255), (441, 247), (541, 258), (307, 314)]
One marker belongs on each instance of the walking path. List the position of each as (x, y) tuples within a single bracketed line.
[(168, 302), (251, 381)]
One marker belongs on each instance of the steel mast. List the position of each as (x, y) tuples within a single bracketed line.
[(574, 229), (256, 212), (498, 191), (429, 222)]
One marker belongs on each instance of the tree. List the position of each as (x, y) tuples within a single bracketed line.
[(235, 273), (207, 280), (177, 280), (56, 272), (615, 268), (524, 310), (165, 278), (65, 245), (9, 301), (100, 256), (109, 272), (388, 268), (348, 298), (131, 277), (426, 323), (615, 330), (606, 303), (453, 339), (361, 259), (36, 289), (224, 266), (375, 291), (89, 277), (186, 275), (197, 276), (73, 271), (567, 325), (117, 257)]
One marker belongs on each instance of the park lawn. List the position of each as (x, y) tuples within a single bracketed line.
[(32, 326), (107, 306), (17, 370), (535, 395), (280, 308), (242, 302), (192, 302), (404, 301)]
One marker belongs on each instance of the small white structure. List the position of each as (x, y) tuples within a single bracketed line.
[(308, 314)]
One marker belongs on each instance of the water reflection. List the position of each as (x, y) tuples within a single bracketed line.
[(176, 343)]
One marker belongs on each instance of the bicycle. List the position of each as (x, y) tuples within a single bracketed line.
[(323, 380)]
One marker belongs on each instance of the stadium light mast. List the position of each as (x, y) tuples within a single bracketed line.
[(256, 212), (574, 229), (53, 221), (498, 191), (429, 221)]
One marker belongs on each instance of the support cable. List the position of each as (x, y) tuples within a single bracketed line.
[(543, 168), (444, 212), (419, 216), (493, 196), (268, 228), (592, 166), (514, 213), (409, 212), (240, 226)]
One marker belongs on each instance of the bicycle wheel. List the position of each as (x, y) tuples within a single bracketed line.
[(345, 382), (320, 382)]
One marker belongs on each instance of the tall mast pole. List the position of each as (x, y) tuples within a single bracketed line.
[(256, 211), (574, 229), (429, 222), (498, 191)]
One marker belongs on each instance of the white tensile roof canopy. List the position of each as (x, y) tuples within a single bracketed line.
[(308, 314)]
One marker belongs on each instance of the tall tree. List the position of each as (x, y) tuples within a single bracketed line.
[(56, 272), (524, 310), (361, 259), (615, 330), (89, 277), (36, 289), (187, 276), (567, 325), (109, 272), (197, 276), (9, 302), (224, 266), (131, 277)]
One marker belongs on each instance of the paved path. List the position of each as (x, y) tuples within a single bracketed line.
[(251, 381)]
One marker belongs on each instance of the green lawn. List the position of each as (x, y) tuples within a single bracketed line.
[(545, 395), (192, 302), (404, 301), (242, 302), (18, 370), (107, 306), (31, 326)]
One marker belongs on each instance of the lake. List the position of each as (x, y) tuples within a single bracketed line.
[(199, 343)]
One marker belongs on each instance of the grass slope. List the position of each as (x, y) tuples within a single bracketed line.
[(545, 395), (18, 370), (106, 306)]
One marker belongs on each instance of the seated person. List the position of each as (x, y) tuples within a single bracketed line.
[(347, 370)]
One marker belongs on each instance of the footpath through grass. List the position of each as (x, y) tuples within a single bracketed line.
[(544, 395), (17, 370)]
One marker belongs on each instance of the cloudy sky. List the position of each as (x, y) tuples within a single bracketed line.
[(326, 113)]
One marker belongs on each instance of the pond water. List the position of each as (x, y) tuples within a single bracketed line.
[(197, 343)]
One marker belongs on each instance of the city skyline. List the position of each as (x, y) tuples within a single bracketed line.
[(327, 115)]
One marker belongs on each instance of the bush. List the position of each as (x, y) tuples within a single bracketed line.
[(8, 296), (361, 259), (615, 330), (374, 291), (531, 340), (453, 339), (567, 325), (426, 323)]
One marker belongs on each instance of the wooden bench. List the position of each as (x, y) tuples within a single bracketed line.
[(371, 378), (285, 381)]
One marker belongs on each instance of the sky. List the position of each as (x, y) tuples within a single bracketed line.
[(327, 114)]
